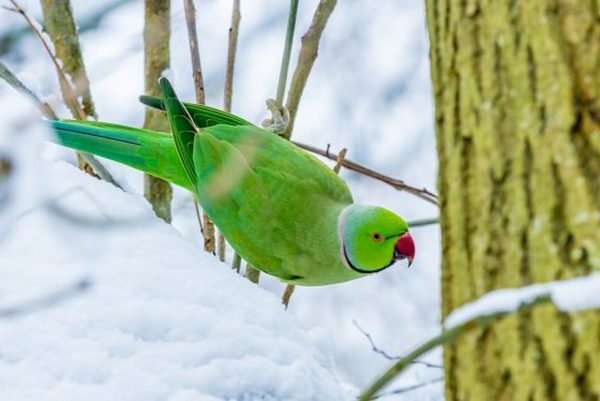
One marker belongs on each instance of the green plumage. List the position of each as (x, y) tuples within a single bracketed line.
[(279, 207)]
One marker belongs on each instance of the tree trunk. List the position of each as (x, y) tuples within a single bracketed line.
[(517, 94), (157, 32)]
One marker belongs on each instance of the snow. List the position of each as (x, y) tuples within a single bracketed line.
[(162, 321), (568, 296)]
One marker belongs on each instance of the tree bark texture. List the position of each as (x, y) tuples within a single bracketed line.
[(60, 26), (157, 32), (517, 95)]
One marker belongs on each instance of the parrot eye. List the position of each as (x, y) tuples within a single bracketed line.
[(376, 237)]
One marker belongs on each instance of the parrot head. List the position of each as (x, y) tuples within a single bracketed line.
[(373, 238)]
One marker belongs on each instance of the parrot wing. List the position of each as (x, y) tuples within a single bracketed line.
[(276, 205), (182, 128)]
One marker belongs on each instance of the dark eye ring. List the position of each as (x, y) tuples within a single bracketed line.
[(376, 237)]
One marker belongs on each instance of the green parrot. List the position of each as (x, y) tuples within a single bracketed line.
[(281, 209)]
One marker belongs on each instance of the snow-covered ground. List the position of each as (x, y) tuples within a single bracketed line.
[(163, 319)]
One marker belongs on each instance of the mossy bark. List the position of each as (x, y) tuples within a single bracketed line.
[(517, 94), (157, 32), (60, 26)]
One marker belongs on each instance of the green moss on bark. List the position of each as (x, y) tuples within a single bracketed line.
[(60, 26), (157, 32), (517, 93)]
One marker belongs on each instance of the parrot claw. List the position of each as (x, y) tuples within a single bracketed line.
[(280, 118)]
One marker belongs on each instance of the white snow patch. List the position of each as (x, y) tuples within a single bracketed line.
[(163, 320), (568, 295)]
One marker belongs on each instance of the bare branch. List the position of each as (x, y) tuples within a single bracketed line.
[(252, 273), (236, 16), (446, 337), (381, 352), (60, 25), (190, 20), (287, 51), (306, 60), (403, 390), (86, 160), (340, 160), (208, 229), (68, 91), (46, 301), (350, 165), (236, 263), (287, 295), (424, 222), (13, 81)]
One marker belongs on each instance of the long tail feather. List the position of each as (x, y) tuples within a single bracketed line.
[(148, 151)]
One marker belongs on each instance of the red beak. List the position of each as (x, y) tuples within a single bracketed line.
[(405, 248)]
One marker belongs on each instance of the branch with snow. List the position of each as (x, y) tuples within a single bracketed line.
[(403, 390), (568, 296)]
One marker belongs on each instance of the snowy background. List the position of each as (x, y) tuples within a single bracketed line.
[(162, 319)]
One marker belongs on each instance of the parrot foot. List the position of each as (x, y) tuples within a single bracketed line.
[(280, 118)]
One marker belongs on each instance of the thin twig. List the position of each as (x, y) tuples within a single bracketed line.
[(11, 38), (400, 185), (46, 301), (237, 262), (381, 352), (221, 246), (49, 113), (86, 160), (340, 160), (69, 92), (287, 295), (59, 23), (403, 390), (236, 16), (424, 222), (287, 51), (306, 60), (13, 81), (190, 20), (445, 337), (252, 273)]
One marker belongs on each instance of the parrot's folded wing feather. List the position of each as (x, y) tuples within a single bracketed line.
[(182, 128), (203, 116), (248, 177)]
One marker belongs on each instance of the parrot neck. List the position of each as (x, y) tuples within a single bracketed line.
[(342, 220), (342, 250)]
